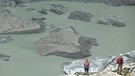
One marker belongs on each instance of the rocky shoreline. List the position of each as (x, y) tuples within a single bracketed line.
[(108, 2)]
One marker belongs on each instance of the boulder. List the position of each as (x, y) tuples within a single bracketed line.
[(65, 43), (78, 15), (58, 9), (38, 18), (4, 57), (11, 24), (103, 21), (117, 21), (43, 11)]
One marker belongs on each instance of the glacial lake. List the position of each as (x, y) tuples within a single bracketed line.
[(25, 59)]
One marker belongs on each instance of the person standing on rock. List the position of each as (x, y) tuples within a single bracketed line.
[(119, 61), (86, 66)]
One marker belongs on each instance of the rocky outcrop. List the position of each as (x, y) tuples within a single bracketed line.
[(43, 11), (5, 38), (4, 57), (38, 18), (103, 21), (13, 3), (99, 64), (66, 43), (128, 69), (58, 9), (10, 24), (115, 21), (78, 15)]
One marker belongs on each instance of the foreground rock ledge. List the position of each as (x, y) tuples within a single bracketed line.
[(66, 43), (101, 65)]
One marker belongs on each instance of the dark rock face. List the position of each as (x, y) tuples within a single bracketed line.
[(58, 9), (38, 18), (78, 15), (128, 2), (86, 43), (4, 57), (43, 11), (66, 43)]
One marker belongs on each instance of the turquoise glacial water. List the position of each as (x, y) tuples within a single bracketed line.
[(25, 59)]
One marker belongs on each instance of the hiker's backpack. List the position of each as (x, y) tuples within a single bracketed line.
[(119, 60)]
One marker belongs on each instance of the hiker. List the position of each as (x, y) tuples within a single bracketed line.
[(119, 61), (86, 66)]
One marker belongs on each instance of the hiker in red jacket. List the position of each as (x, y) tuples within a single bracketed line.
[(86, 66), (119, 61)]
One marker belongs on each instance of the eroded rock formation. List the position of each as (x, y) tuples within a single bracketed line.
[(66, 43), (79, 15), (58, 9), (115, 21), (10, 24)]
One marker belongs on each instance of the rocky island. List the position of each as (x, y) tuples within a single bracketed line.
[(11, 24), (67, 43)]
